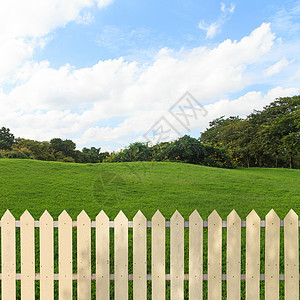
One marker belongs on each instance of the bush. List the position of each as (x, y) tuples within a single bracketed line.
[(22, 153), (185, 149)]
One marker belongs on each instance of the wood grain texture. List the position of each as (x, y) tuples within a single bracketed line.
[(214, 256), (121, 257), (8, 257), (102, 256), (139, 257), (158, 256), (195, 256), (252, 256), (46, 257), (177, 256), (291, 255), (233, 256), (65, 256)]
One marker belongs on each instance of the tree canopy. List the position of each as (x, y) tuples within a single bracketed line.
[(270, 137), (7, 139)]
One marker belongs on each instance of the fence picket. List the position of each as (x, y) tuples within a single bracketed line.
[(121, 257), (65, 256), (272, 256), (8, 257), (27, 256), (252, 256), (158, 276), (291, 256), (158, 256), (46, 257), (214, 256), (195, 256), (177, 256), (83, 256), (139, 257), (233, 256), (102, 256)]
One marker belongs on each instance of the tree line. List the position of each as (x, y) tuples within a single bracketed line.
[(269, 138), (55, 150)]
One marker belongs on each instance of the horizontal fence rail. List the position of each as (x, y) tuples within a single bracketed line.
[(149, 224), (37, 276), (176, 258)]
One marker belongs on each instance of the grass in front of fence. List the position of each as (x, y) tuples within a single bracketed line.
[(39, 185)]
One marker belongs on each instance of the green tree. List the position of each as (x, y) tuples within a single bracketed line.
[(92, 154), (66, 147), (40, 150), (7, 139)]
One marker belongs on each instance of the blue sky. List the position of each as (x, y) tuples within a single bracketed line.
[(104, 72)]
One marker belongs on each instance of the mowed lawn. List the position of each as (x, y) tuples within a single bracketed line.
[(146, 186)]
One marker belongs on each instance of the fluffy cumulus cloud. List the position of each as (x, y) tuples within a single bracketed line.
[(25, 24), (117, 101)]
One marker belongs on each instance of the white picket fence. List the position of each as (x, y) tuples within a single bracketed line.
[(158, 277)]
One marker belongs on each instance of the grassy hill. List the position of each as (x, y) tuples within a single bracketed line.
[(39, 185)]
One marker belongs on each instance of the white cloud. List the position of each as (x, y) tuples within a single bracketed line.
[(215, 27), (277, 67), (85, 18), (117, 101), (102, 3), (25, 24), (211, 30)]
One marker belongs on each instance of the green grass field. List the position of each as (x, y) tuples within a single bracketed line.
[(39, 185)]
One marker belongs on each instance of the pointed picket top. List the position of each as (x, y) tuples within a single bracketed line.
[(64, 216), (102, 216), (26, 217), (177, 217), (291, 217), (26, 214), (139, 217), (46, 217), (272, 218), (83, 218), (8, 217), (158, 217), (233, 218), (121, 218), (252, 217), (195, 218), (214, 217)]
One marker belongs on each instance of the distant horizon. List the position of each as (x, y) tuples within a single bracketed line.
[(142, 140), (107, 73)]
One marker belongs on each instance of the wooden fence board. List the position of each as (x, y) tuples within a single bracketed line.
[(27, 257), (177, 256), (291, 256), (8, 257), (195, 256), (158, 275), (233, 256), (46, 257), (139, 257), (158, 256), (272, 256), (214, 256), (121, 257), (83, 256), (102, 256), (252, 256), (65, 256)]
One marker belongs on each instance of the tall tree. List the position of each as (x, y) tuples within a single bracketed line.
[(7, 139)]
